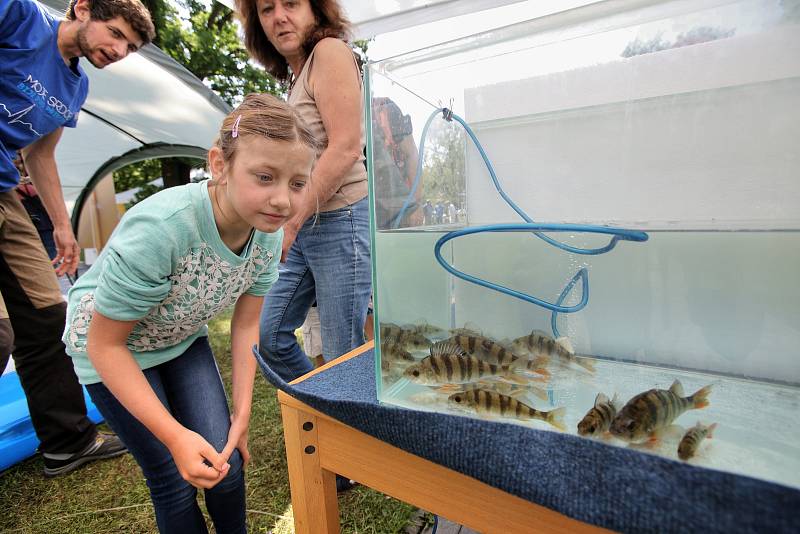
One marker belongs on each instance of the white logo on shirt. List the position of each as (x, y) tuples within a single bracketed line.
[(51, 105), (19, 114)]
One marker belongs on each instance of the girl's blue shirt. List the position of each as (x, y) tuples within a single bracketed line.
[(166, 267)]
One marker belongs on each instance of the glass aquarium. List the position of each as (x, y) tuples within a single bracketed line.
[(589, 222)]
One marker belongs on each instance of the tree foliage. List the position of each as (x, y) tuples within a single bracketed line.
[(444, 163), (701, 34), (204, 38)]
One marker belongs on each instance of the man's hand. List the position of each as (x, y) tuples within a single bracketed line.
[(67, 251)]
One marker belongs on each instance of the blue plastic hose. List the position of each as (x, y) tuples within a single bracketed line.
[(617, 234)]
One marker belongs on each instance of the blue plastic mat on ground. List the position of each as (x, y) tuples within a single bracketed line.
[(604, 485), (18, 440)]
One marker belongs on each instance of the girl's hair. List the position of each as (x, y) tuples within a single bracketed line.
[(330, 22), (265, 116)]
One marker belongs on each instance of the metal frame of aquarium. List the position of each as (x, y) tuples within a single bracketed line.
[(643, 149)]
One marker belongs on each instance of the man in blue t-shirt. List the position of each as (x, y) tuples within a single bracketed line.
[(42, 90)]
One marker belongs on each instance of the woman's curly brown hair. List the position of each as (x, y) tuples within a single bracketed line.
[(330, 22)]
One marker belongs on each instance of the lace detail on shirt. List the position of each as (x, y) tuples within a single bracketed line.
[(203, 285)]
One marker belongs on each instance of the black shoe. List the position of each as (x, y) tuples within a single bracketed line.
[(344, 484), (104, 446)]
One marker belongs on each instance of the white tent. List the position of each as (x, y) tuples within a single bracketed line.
[(145, 106)]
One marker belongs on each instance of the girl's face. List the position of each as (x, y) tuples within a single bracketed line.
[(264, 182), (286, 24)]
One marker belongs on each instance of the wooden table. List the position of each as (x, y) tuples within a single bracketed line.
[(318, 446)]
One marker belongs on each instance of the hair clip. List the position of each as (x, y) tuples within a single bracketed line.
[(235, 132)]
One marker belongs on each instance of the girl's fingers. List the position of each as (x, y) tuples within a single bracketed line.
[(228, 450), (243, 450), (218, 461)]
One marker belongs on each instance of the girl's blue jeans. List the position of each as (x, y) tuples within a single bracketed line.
[(191, 389), (329, 262)]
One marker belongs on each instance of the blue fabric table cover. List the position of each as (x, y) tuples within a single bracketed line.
[(604, 485)]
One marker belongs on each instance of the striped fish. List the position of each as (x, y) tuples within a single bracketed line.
[(408, 339), (496, 353), (538, 343), (692, 439), (512, 390), (449, 364), (648, 413), (482, 401), (598, 420)]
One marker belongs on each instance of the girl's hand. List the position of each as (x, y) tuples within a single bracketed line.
[(198, 462), (237, 438)]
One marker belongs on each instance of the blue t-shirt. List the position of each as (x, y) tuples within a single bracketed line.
[(39, 93)]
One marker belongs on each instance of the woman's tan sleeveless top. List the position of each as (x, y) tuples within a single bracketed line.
[(354, 184)]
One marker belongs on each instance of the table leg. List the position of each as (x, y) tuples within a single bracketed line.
[(314, 503)]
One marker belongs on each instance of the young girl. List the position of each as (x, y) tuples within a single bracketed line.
[(136, 320)]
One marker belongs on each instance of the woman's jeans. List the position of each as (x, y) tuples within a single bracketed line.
[(191, 389), (329, 262)]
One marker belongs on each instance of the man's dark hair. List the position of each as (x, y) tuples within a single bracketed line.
[(132, 11)]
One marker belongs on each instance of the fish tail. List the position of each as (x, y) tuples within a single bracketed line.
[(711, 428), (700, 398), (554, 417)]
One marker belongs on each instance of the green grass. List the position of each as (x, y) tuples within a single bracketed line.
[(111, 496)]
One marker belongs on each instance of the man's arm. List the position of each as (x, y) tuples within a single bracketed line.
[(40, 160)]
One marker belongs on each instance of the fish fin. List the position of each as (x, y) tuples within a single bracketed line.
[(654, 438), (615, 402), (521, 365), (540, 333), (446, 347), (600, 399), (711, 428), (677, 388), (554, 417), (651, 443), (447, 388), (517, 379), (566, 344), (541, 371), (539, 392), (700, 398), (586, 364)]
